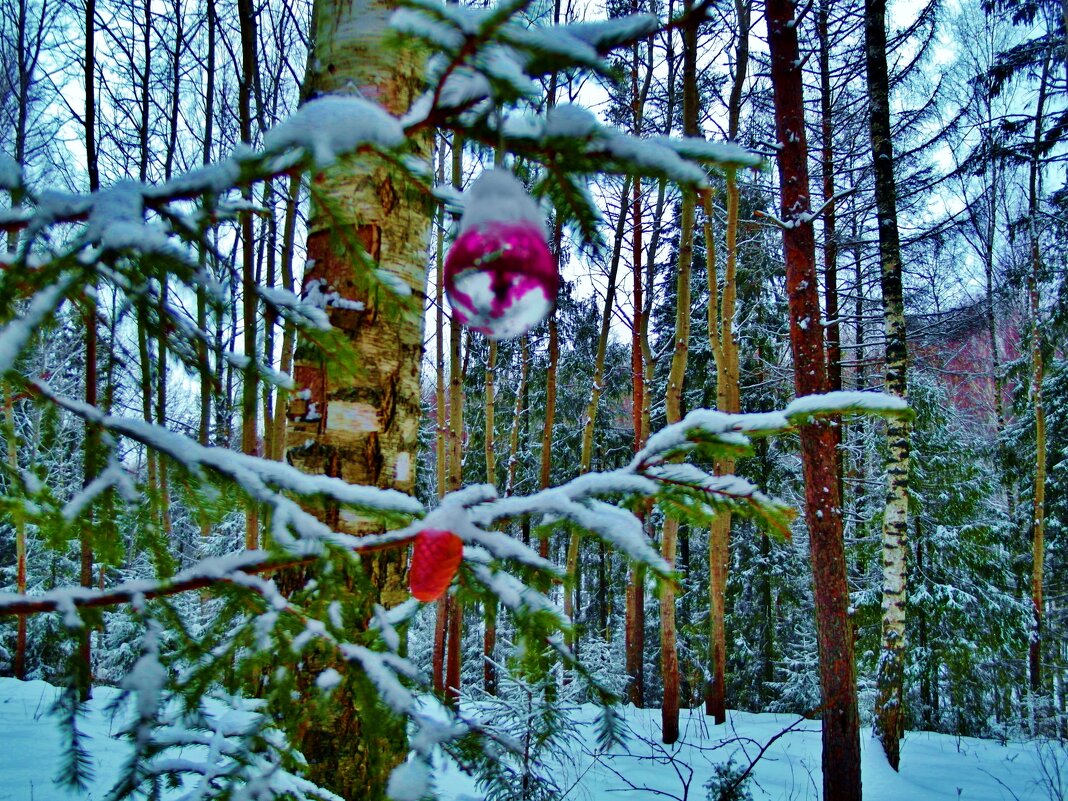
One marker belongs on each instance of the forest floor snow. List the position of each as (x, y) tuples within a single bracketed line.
[(934, 766)]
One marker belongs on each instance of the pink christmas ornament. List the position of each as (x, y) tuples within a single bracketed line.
[(499, 275)]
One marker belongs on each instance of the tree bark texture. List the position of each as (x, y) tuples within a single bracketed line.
[(830, 220), (890, 675), (364, 425), (841, 724)]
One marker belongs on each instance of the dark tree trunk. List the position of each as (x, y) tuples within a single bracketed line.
[(92, 436), (250, 305)]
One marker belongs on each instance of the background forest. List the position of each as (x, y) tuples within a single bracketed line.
[(939, 215)]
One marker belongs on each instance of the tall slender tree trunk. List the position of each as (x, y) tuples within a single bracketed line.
[(489, 639), (249, 303), (452, 653), (441, 432), (454, 477), (830, 228), (268, 249), (281, 398), (634, 625), (490, 391), (19, 661), (642, 419), (175, 89), (149, 372), (91, 470), (823, 516), (545, 474), (721, 308), (634, 631), (669, 657), (204, 430), (889, 721), (517, 415), (441, 439), (590, 420), (441, 626), (634, 605), (91, 434), (161, 414), (1038, 516), (145, 93), (366, 426)]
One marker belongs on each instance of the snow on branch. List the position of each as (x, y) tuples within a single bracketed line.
[(829, 404), (15, 335), (708, 424), (205, 573)]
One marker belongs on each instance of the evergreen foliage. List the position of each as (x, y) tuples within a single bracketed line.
[(221, 659), (245, 638)]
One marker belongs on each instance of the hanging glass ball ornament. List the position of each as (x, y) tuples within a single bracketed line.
[(500, 277)]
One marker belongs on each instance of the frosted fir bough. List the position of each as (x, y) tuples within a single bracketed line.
[(258, 631), (500, 277)]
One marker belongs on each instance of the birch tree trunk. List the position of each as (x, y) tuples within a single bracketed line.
[(366, 426), (823, 516), (890, 675)]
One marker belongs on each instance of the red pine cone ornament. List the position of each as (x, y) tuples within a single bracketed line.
[(500, 277), (435, 560)]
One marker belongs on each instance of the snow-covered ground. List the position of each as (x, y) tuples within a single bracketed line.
[(934, 766)]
